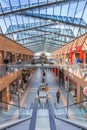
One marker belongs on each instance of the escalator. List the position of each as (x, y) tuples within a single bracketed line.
[(43, 117), (42, 121)]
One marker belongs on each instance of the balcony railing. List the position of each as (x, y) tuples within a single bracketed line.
[(78, 69), (76, 112), (4, 69), (14, 112)]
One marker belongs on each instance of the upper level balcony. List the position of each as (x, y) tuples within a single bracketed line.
[(77, 69), (8, 68)]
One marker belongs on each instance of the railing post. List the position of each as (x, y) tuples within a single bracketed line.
[(68, 93)]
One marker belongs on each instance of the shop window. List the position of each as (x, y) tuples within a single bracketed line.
[(25, 75), (83, 98), (72, 88), (9, 57), (14, 87)]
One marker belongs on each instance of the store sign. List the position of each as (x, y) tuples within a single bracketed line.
[(78, 48), (85, 91), (73, 49)]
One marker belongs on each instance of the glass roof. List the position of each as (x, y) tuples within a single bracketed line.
[(43, 25)]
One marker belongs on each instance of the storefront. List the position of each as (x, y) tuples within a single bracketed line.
[(73, 89), (61, 75), (76, 53), (25, 75), (3, 100), (83, 98), (13, 87)]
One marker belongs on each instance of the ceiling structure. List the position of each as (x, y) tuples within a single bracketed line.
[(43, 25)]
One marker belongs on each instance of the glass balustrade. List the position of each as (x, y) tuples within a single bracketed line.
[(10, 112), (76, 112)]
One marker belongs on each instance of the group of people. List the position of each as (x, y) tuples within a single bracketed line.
[(47, 88), (43, 76), (57, 94)]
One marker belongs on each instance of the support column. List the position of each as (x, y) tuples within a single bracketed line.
[(5, 53)]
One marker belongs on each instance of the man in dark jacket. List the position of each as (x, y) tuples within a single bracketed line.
[(6, 61), (58, 95)]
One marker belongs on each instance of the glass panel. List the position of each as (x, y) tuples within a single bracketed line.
[(9, 112), (75, 111)]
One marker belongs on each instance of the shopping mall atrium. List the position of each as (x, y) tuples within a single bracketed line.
[(43, 64)]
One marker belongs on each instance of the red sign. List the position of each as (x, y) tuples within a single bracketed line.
[(75, 49), (85, 91)]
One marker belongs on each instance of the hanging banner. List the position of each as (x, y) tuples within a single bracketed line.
[(71, 56), (82, 55)]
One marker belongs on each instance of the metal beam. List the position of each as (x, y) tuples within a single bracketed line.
[(40, 43), (36, 48), (30, 28), (64, 22), (39, 6), (33, 42), (56, 33), (55, 39), (33, 37), (53, 45), (53, 20), (41, 38)]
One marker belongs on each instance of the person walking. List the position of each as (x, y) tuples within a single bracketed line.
[(43, 73), (38, 92), (47, 89), (58, 95)]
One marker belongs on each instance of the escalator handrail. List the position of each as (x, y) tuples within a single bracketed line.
[(71, 105), (51, 116), (14, 105), (13, 123), (34, 114), (74, 123)]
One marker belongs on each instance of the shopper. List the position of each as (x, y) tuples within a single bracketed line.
[(43, 80), (38, 92), (6, 61), (43, 73), (58, 95)]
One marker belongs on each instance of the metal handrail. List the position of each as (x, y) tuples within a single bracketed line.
[(51, 116), (13, 113), (14, 105), (75, 111), (76, 124), (71, 104), (13, 123), (34, 114)]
